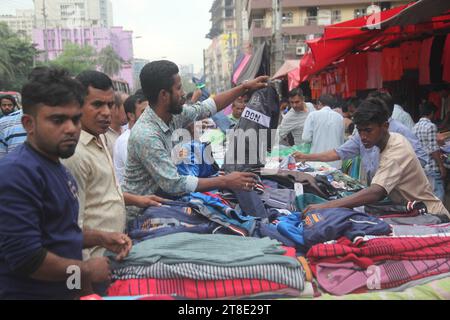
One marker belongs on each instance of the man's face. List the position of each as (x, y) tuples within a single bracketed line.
[(297, 103), (97, 111), (55, 130), (140, 108), (372, 134), (351, 110), (177, 99), (238, 108), (7, 106)]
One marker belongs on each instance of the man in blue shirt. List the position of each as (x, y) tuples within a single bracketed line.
[(370, 158), (12, 133), (40, 241)]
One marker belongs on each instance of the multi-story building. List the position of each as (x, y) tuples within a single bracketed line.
[(187, 70), (22, 23), (304, 19), (73, 13), (221, 54), (96, 37), (138, 65)]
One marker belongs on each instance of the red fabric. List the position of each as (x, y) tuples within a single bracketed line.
[(410, 54), (374, 77), (446, 60), (366, 254), (342, 39), (424, 61), (392, 65), (197, 289)]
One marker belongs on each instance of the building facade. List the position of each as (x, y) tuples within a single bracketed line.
[(96, 37), (22, 23), (73, 13), (223, 51), (304, 19)]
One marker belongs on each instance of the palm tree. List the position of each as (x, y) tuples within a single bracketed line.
[(5, 65), (109, 61)]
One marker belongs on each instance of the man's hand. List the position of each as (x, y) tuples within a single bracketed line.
[(256, 84), (315, 207), (299, 157), (145, 202), (240, 181), (118, 243), (97, 270)]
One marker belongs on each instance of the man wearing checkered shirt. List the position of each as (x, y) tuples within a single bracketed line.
[(427, 132)]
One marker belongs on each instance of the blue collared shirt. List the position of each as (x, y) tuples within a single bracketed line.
[(12, 133), (370, 158)]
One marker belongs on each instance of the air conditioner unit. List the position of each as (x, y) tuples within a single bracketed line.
[(300, 51)]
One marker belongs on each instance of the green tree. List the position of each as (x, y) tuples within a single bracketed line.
[(109, 61), (76, 59), (17, 58)]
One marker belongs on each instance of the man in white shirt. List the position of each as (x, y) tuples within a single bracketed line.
[(134, 107), (403, 117), (294, 121), (324, 129)]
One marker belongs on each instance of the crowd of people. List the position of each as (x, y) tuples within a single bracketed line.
[(79, 160)]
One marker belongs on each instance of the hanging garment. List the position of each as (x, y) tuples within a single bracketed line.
[(374, 76), (437, 51), (446, 60), (253, 134), (392, 65), (410, 54), (424, 63)]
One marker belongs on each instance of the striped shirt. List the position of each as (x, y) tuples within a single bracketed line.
[(12, 133), (427, 132)]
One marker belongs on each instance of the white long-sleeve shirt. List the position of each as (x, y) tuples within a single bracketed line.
[(325, 130)]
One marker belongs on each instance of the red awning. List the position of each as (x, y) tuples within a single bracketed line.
[(368, 33)]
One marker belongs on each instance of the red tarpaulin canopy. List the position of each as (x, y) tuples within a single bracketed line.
[(375, 31)]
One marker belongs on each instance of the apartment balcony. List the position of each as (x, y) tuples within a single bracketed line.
[(260, 28), (267, 4)]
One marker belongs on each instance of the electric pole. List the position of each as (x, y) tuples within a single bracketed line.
[(44, 14), (277, 41)]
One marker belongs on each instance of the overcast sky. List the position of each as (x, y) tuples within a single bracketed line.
[(170, 29)]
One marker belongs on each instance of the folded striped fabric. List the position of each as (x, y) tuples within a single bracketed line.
[(198, 289), (366, 254), (291, 277)]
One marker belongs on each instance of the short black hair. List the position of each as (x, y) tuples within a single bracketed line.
[(51, 87), (371, 111), (386, 97), (296, 92), (9, 97), (427, 109), (132, 101), (157, 76), (328, 100), (95, 79)]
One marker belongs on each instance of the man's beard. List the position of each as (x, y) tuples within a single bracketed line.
[(67, 153), (175, 107)]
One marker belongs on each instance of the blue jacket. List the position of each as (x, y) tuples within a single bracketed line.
[(330, 224)]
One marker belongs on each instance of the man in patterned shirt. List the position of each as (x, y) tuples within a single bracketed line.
[(150, 166), (12, 133), (427, 132)]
